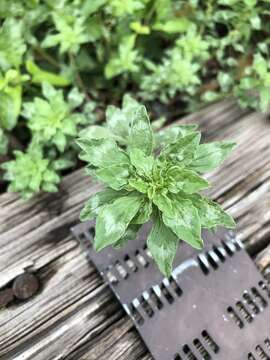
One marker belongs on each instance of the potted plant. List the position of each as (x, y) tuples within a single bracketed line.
[(150, 177)]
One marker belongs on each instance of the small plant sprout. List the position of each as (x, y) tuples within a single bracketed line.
[(52, 120), (30, 172), (150, 178)]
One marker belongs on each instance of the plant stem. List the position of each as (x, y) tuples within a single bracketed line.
[(78, 78), (46, 56)]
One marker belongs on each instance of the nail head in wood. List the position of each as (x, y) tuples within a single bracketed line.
[(25, 286)]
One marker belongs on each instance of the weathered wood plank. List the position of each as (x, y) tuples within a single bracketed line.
[(74, 316), (263, 261)]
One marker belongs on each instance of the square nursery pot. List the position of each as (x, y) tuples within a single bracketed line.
[(215, 305)]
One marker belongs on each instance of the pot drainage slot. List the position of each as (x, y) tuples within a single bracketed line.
[(261, 351), (218, 290)]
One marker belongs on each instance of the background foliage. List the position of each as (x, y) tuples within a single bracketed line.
[(62, 62)]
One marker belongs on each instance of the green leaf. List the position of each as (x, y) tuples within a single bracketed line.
[(260, 65), (264, 99), (39, 76), (211, 214), (49, 92), (62, 164), (75, 98), (209, 156), (143, 164), (186, 180), (70, 122), (3, 142), (172, 133), (183, 150), (158, 124), (139, 185), (162, 243), (49, 187), (10, 98), (93, 206), (125, 60), (119, 120), (129, 104), (144, 213), (96, 132), (185, 223), (51, 41), (12, 45), (164, 204), (128, 7), (114, 219), (102, 152), (130, 234), (60, 141), (8, 114), (141, 134), (172, 26), (89, 7), (139, 28), (115, 176), (89, 111), (50, 176)]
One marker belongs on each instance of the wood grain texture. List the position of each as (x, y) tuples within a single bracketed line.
[(74, 315)]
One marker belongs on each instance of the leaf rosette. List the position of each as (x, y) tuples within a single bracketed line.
[(52, 120), (150, 177), (30, 172)]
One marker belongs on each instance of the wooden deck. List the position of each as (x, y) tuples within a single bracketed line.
[(74, 315)]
